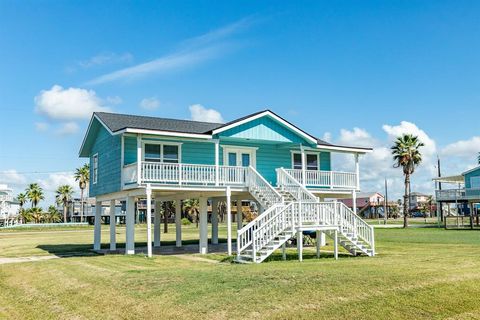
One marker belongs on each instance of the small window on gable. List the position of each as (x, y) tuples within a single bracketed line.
[(95, 168)]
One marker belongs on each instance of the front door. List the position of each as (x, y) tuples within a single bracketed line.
[(240, 157)]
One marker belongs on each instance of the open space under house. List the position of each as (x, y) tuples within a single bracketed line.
[(260, 157)]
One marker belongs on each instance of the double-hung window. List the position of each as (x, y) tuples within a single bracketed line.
[(158, 152), (311, 160)]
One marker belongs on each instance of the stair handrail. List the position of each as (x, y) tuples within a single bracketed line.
[(245, 234), (282, 220), (255, 181), (300, 192), (359, 227)]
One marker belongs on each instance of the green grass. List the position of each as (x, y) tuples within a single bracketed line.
[(417, 274)]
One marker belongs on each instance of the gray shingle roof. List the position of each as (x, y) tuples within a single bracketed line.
[(116, 122)]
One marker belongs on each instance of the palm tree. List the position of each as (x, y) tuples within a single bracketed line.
[(36, 214), (82, 175), (22, 198), (192, 208), (64, 195), (52, 215), (26, 215), (34, 193), (478, 158), (406, 154)]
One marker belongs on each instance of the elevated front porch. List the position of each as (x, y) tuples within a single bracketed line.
[(199, 175)]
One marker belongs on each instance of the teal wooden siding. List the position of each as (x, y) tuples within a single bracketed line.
[(325, 161), (108, 148), (198, 152), (475, 173), (130, 150), (264, 128)]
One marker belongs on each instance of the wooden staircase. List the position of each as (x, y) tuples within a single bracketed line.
[(290, 208)]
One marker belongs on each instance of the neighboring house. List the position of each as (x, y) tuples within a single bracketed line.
[(9, 206), (417, 200), (369, 204), (464, 196), (260, 157), (75, 205)]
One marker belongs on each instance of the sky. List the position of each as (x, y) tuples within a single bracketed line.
[(352, 72)]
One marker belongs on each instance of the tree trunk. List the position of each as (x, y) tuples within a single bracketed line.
[(64, 213), (406, 201), (82, 205)]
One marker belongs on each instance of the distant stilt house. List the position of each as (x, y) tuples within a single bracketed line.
[(261, 158), (9, 207), (459, 196)]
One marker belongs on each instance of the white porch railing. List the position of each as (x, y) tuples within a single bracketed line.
[(288, 183), (328, 179), (184, 174), (257, 185), (450, 194)]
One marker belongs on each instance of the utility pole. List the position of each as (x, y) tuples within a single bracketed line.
[(385, 203), (440, 217)]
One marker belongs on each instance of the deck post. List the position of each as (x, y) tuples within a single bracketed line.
[(354, 201), (229, 221), (178, 222), (217, 162), (318, 242), (130, 226), (139, 159), (156, 223), (357, 171), (239, 215), (304, 164), (203, 225), (284, 252), (214, 220), (335, 244), (149, 220), (113, 240), (98, 226), (300, 245)]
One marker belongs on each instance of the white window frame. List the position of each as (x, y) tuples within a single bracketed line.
[(239, 150), (306, 152), (95, 169), (163, 143)]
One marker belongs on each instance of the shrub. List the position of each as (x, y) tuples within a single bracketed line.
[(186, 222)]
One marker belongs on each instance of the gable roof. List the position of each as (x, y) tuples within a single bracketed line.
[(471, 170), (117, 122)]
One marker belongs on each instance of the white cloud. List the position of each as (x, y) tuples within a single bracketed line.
[(114, 100), (68, 104), (12, 178), (106, 58), (151, 103), (377, 166), (200, 113), (464, 148), (192, 52), (54, 180), (68, 128), (41, 126)]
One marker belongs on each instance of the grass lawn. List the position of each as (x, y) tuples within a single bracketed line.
[(417, 274)]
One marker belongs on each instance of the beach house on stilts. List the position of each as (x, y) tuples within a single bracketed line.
[(260, 157)]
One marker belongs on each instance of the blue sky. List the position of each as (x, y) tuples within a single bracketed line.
[(356, 72)]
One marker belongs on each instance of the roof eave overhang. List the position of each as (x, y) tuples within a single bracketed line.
[(94, 117), (471, 170), (164, 133), (273, 115), (345, 149)]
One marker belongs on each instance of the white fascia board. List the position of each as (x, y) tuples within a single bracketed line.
[(344, 149), (165, 133), (285, 123), (88, 130), (471, 170)]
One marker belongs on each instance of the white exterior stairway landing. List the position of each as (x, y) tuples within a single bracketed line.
[(292, 209)]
